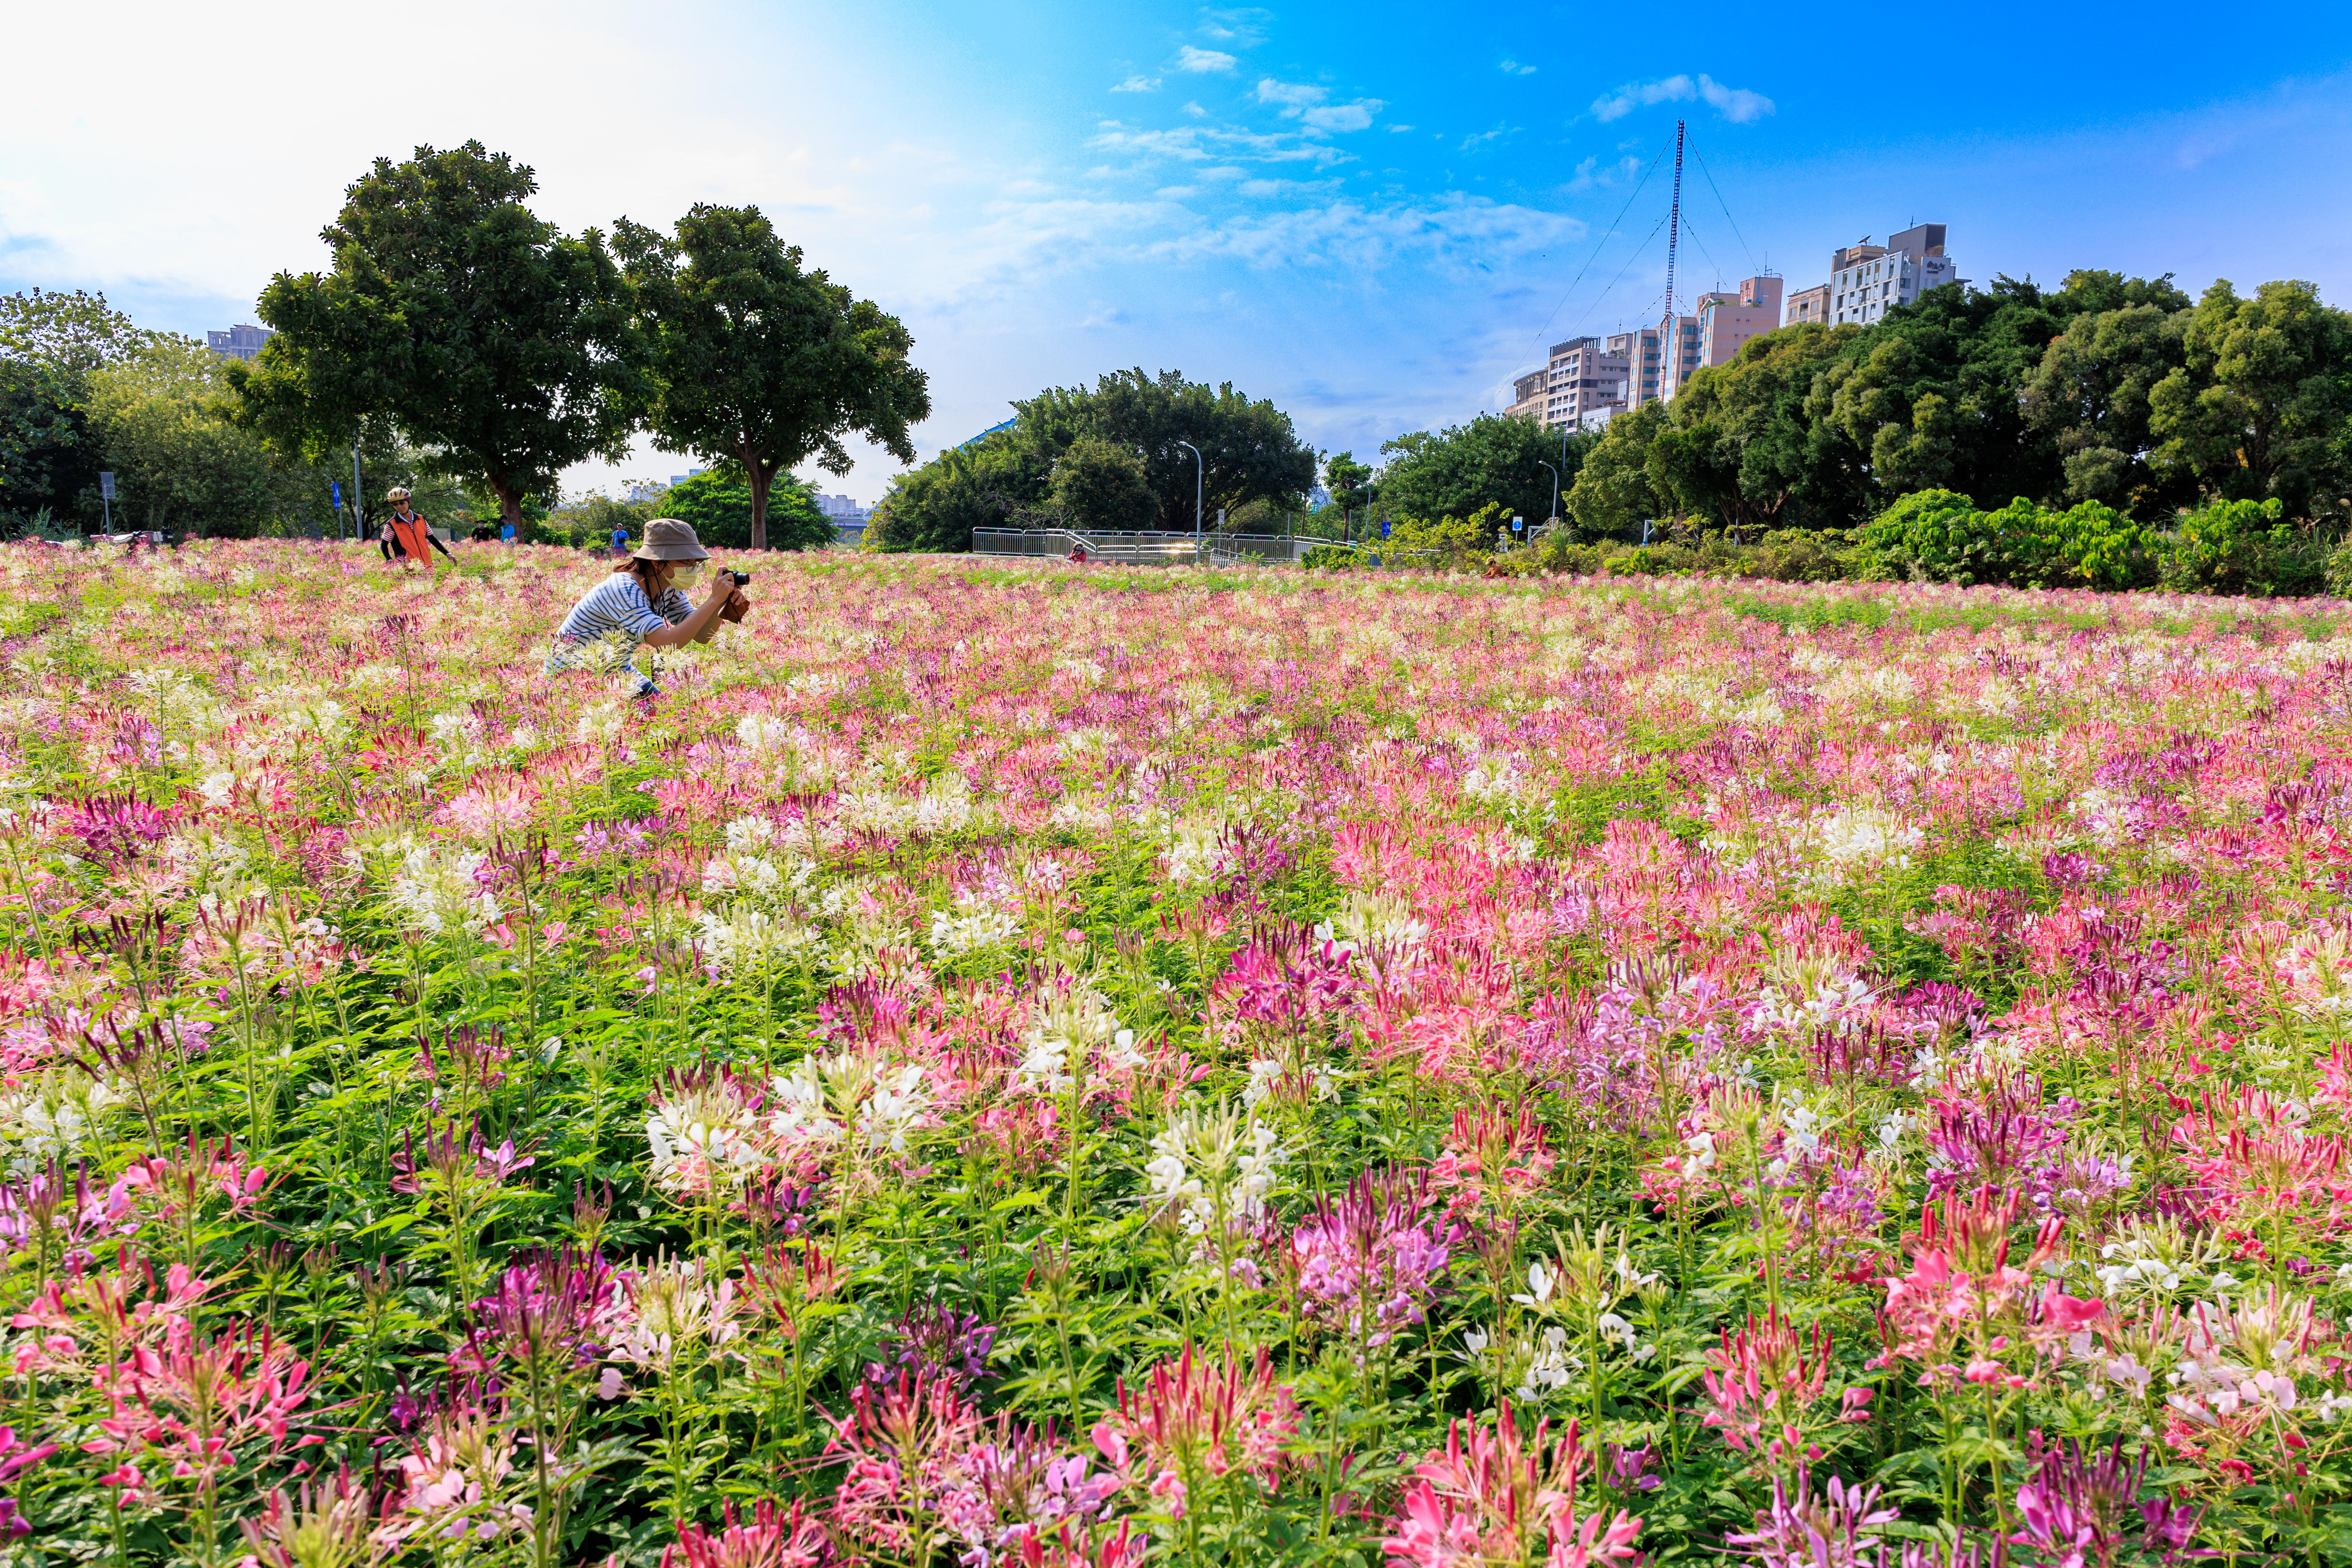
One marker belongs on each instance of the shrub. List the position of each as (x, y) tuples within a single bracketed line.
[(2241, 547), (1455, 543), (1940, 536)]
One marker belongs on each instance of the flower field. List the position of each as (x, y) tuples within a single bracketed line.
[(1060, 1065)]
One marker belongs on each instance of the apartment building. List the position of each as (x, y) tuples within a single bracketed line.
[(1578, 376), (1868, 281), (1725, 321), (1679, 364), (1807, 305), (1644, 366), (238, 342)]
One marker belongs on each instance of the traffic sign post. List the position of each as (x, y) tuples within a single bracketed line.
[(106, 500), (338, 489)]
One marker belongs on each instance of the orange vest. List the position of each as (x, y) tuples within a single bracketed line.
[(409, 534)]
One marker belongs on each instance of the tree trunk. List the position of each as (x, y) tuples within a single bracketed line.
[(763, 479), (510, 501)]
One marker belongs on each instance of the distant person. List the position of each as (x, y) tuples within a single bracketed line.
[(411, 534), (621, 539), (481, 534), (642, 602), (506, 530)]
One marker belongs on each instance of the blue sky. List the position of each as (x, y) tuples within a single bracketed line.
[(1372, 215)]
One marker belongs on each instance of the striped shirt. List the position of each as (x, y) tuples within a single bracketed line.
[(616, 612)]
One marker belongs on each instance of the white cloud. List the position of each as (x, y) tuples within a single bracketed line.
[(1513, 67), (1196, 112), (1338, 116), (1203, 61), (1310, 106), (1139, 84), (1736, 104), (1297, 95), (1243, 25)]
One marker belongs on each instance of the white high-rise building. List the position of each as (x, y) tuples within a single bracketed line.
[(1868, 281)]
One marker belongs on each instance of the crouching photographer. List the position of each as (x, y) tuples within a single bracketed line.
[(643, 602)]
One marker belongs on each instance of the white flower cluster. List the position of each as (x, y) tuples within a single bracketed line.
[(1530, 1365), (742, 939), (1073, 1032), (824, 1098), (55, 1116), (972, 923), (1207, 1164), (438, 895), (944, 806)]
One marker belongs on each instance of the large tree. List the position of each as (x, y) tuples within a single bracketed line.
[(760, 362), (1497, 458), (51, 343), (2260, 409), (164, 417), (1248, 448), (2093, 390), (491, 338)]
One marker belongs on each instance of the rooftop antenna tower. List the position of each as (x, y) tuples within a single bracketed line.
[(1671, 341)]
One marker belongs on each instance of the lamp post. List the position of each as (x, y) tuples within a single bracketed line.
[(1555, 488), (1200, 476)]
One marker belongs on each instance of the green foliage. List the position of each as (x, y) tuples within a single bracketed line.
[(2259, 408), (1349, 481), (589, 522), (2241, 547), (51, 345), (991, 484), (478, 329), (1249, 450), (46, 455), (164, 418), (2108, 390), (1613, 493), (717, 504), (1940, 536), (72, 335), (1496, 460), (759, 362), (1446, 544), (1099, 485)]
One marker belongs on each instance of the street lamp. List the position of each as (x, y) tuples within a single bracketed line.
[(1555, 488), (1199, 475)]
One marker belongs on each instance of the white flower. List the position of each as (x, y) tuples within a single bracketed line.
[(1541, 1282)]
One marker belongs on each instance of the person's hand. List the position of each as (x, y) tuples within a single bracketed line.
[(722, 583)]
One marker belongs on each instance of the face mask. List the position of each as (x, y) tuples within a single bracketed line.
[(687, 576)]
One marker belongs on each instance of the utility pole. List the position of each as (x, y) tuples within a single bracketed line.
[(359, 497), (1670, 359)]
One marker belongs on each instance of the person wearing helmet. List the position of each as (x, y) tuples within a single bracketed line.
[(642, 602), (409, 534)]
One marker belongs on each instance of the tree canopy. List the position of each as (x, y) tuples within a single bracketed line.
[(2108, 389), (1496, 460), (718, 502), (758, 362), (486, 333), (1249, 453)]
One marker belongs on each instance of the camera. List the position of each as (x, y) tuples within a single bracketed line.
[(740, 579)]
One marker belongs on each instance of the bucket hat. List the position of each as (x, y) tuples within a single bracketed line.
[(668, 539)]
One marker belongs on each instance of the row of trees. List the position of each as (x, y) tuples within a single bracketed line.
[(2116, 391), (1110, 457), (464, 338)]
